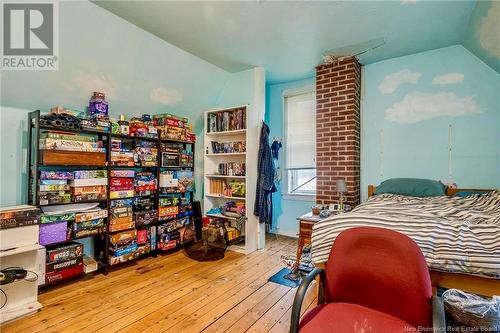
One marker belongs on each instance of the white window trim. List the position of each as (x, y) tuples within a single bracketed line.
[(311, 88)]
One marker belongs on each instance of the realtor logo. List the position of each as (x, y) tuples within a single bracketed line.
[(30, 36)]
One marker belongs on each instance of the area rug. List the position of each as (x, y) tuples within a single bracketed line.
[(279, 278)]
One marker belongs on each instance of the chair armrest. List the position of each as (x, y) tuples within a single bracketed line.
[(438, 315), (301, 293)]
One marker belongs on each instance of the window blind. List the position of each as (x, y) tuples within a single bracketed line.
[(300, 131)]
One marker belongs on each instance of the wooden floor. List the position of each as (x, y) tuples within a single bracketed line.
[(172, 293)]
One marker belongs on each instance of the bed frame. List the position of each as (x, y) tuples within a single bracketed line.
[(469, 283)]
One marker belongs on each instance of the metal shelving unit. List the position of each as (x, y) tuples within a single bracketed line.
[(33, 167)]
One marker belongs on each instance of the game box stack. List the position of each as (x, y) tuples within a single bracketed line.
[(174, 155), (146, 154), (144, 211), (176, 181), (89, 223), (227, 120), (136, 127), (168, 207), (98, 117), (121, 184), (174, 127), (54, 228), (19, 216), (122, 153), (70, 142), (145, 183), (64, 262), (89, 185), (54, 187), (19, 226), (121, 215), (130, 244), (174, 233)]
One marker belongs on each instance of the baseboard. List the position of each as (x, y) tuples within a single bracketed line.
[(287, 233)]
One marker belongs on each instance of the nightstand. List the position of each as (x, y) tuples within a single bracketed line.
[(306, 223)]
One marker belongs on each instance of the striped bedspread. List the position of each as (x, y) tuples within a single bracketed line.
[(455, 234)]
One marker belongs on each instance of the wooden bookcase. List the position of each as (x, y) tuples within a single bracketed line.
[(213, 177)]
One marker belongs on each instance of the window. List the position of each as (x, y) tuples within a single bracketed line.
[(300, 143)]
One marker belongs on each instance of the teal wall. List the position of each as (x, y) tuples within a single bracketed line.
[(482, 36), (409, 105), (139, 73), (285, 211)]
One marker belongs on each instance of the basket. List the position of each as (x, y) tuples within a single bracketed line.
[(481, 314)]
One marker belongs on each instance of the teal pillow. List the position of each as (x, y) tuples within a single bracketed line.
[(412, 187)]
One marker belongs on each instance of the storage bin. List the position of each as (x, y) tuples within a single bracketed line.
[(51, 233)]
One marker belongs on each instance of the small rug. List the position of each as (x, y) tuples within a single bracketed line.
[(279, 278)]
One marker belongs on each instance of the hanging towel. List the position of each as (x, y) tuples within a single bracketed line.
[(265, 179)]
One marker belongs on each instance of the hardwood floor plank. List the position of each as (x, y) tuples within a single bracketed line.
[(255, 313), (190, 305)]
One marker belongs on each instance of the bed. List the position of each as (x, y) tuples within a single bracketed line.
[(459, 236)]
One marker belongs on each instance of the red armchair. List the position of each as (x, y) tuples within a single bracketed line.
[(375, 280)]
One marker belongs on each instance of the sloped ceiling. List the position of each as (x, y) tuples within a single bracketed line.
[(483, 33), (290, 38)]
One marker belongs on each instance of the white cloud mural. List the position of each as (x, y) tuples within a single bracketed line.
[(448, 78), (418, 106), (88, 83), (170, 97), (392, 81), (488, 32)]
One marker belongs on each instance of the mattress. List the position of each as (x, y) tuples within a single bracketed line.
[(455, 234)]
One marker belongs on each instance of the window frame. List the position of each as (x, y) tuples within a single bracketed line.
[(284, 188)]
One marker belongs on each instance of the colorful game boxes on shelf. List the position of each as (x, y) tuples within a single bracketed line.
[(64, 262), (174, 208), (56, 228), (68, 141), (122, 184), (174, 233), (230, 120), (137, 127), (130, 244), (176, 181), (145, 183), (144, 211), (126, 152), (121, 215), (174, 155), (174, 127), (19, 216), (89, 185), (56, 187), (89, 223)]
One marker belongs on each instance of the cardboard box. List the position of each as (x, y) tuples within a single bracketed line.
[(64, 252), (64, 274), (89, 182), (51, 233)]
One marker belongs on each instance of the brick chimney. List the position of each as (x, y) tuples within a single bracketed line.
[(338, 95)]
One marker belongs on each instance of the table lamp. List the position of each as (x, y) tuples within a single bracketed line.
[(341, 188)]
